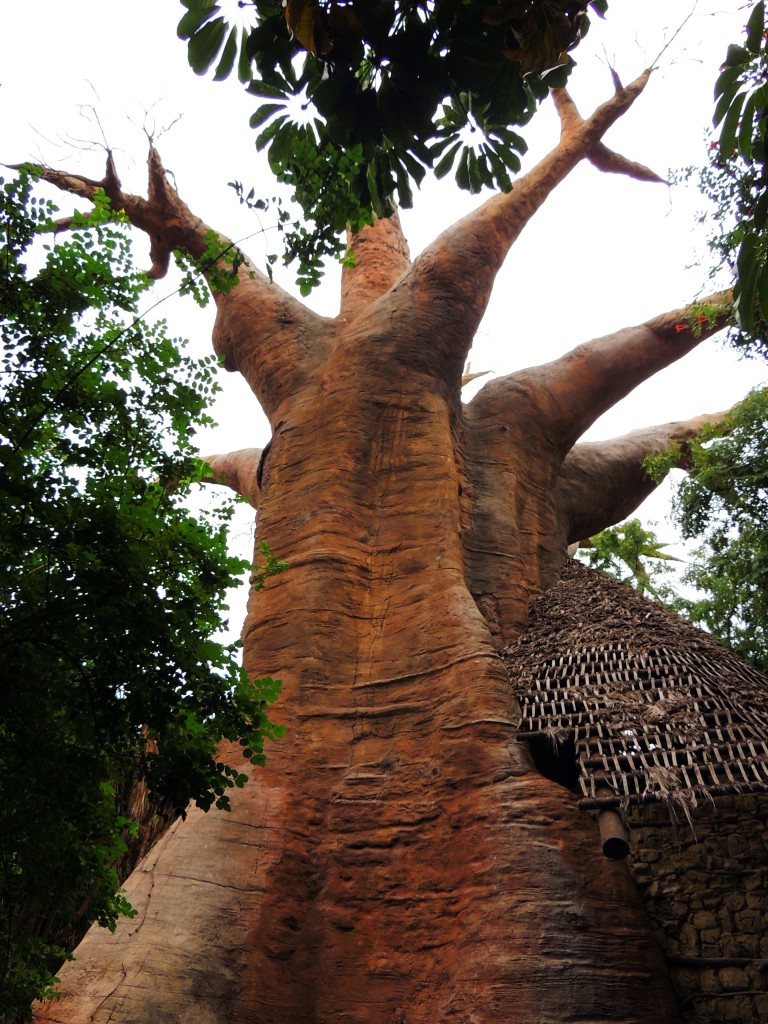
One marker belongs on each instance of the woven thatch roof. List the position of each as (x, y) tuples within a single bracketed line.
[(656, 709)]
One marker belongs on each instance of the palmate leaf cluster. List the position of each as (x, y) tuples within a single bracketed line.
[(111, 591), (386, 89)]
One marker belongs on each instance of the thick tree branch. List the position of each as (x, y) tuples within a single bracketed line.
[(570, 393), (380, 256), (601, 483), (261, 331), (239, 470), (453, 277)]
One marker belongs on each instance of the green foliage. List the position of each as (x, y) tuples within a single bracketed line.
[(737, 179), (393, 88), (219, 265), (633, 555), (111, 591), (658, 464), (724, 503)]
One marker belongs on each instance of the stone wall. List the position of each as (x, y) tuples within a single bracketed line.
[(705, 885)]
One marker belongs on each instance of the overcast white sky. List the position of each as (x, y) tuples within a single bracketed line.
[(604, 253)]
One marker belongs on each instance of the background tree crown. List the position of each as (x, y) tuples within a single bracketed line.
[(394, 89)]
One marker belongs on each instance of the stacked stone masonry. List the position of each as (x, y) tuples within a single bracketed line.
[(705, 886)]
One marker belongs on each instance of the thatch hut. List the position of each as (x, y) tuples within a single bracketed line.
[(662, 733)]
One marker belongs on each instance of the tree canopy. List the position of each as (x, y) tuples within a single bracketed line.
[(393, 89), (721, 509), (111, 590), (723, 503)]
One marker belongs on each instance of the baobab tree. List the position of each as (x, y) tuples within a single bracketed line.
[(400, 859)]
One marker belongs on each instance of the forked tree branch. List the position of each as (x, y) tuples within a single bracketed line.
[(456, 272), (261, 330), (601, 483), (162, 215), (571, 392)]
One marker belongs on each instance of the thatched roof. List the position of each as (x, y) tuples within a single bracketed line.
[(656, 709)]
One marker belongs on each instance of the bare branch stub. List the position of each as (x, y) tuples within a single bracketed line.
[(379, 256), (570, 118), (238, 470)]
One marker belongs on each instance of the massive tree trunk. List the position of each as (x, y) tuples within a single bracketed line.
[(400, 859)]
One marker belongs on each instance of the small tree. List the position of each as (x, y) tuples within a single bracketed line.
[(633, 555), (111, 590)]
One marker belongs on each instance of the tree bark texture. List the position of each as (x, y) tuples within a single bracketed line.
[(400, 860)]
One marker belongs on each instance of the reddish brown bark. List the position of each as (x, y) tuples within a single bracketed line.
[(400, 859)]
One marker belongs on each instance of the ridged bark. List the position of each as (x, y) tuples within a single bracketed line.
[(400, 860)]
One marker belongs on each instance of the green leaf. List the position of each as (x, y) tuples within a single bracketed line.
[(747, 128), (499, 170), (270, 132), (205, 44), (760, 215), (557, 78), (265, 111), (442, 144), (404, 193), (227, 61), (484, 166), (377, 200), (443, 166), (726, 78), (462, 170), (730, 125), (193, 19), (415, 169), (737, 56), (755, 27), (726, 94), (244, 61), (747, 269), (762, 290), (259, 88), (474, 174)]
